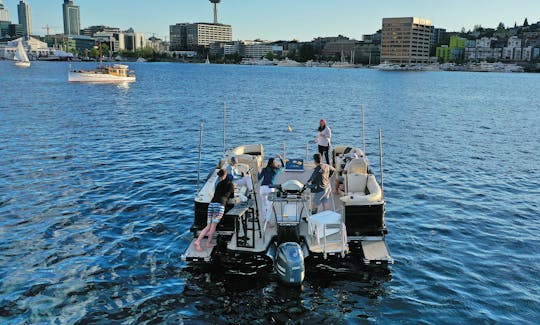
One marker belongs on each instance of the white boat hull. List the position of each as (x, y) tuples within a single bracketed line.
[(22, 64), (97, 77)]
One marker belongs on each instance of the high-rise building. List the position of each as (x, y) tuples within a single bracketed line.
[(4, 14), (178, 37), (25, 16), (203, 34), (72, 18), (192, 36), (405, 40)]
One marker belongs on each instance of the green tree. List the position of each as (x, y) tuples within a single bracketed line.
[(526, 23), (147, 53), (269, 56), (501, 26)]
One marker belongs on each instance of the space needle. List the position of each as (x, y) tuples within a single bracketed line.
[(215, 2)]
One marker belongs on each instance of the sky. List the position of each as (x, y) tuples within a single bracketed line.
[(281, 19)]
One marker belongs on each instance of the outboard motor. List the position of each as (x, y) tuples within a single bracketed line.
[(290, 263)]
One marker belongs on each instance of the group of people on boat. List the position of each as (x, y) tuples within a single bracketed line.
[(319, 184)]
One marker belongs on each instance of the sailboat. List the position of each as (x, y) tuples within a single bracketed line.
[(207, 60), (343, 64), (21, 58)]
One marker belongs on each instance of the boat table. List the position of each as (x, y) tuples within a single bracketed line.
[(242, 214)]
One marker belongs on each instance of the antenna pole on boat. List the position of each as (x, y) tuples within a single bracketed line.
[(284, 151), (307, 151), (200, 150), (363, 130), (381, 162), (224, 126)]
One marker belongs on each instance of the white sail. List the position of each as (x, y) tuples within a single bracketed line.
[(20, 54)]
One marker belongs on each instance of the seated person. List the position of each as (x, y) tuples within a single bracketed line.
[(238, 177), (341, 178)]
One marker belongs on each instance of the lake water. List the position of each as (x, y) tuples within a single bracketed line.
[(97, 185)]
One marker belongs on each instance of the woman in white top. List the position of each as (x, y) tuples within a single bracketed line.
[(323, 139)]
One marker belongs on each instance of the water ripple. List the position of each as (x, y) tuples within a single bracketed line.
[(97, 186)]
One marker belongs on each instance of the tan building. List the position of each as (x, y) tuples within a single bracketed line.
[(203, 34), (405, 40)]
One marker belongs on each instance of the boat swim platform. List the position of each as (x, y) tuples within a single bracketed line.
[(205, 255)]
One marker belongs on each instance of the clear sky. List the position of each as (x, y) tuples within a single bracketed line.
[(281, 19)]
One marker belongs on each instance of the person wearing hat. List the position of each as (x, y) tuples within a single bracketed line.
[(323, 139)]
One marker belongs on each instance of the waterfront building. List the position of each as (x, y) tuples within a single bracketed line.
[(193, 36), (452, 53), (437, 36), (4, 28), (367, 53), (157, 44), (133, 41), (15, 30), (107, 38), (72, 18), (443, 53), (334, 49), (34, 47), (203, 34), (92, 30), (79, 43), (178, 36), (405, 40), (4, 13), (516, 51), (258, 50), (484, 49), (372, 38), (25, 16), (320, 42)]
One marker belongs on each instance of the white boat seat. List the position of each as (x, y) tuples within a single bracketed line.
[(357, 166), (356, 183), (357, 194), (245, 154)]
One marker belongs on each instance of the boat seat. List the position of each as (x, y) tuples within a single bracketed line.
[(362, 190), (245, 154), (356, 183), (357, 166)]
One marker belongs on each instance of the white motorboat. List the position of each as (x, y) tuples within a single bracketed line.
[(352, 230), (21, 58), (104, 73)]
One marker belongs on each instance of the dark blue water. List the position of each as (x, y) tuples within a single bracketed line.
[(97, 183)]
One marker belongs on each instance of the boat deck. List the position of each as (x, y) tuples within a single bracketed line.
[(257, 238)]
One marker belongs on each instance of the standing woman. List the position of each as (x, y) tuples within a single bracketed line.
[(268, 176), (323, 139)]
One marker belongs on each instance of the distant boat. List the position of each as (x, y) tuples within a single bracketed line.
[(289, 63), (343, 64), (141, 60), (207, 60), (21, 58), (115, 73)]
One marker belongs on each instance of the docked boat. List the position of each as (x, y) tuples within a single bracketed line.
[(21, 58), (343, 64), (352, 230), (289, 63), (103, 73)]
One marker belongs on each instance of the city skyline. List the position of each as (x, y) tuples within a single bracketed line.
[(279, 19)]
